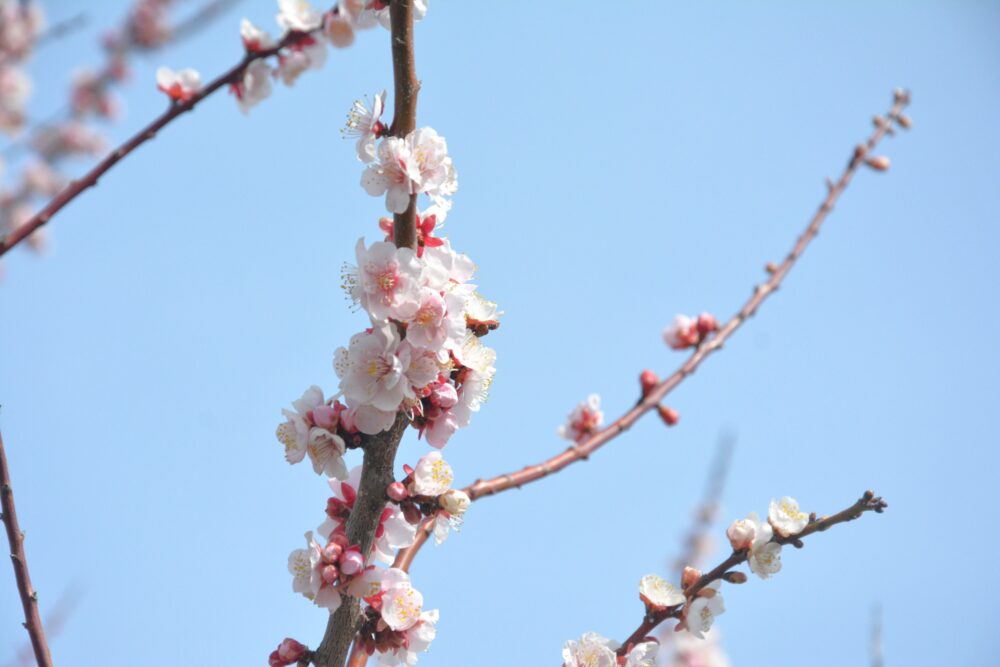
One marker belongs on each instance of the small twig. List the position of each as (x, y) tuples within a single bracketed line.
[(581, 451), (868, 502), (89, 180), (29, 597), (62, 28), (878, 659)]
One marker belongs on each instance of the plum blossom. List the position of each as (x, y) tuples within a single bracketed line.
[(366, 125), (786, 517), (446, 268), (254, 87), (455, 502), (417, 639), (432, 475), (370, 372), (306, 53), (584, 420), (302, 566), (393, 175), (657, 592), (690, 651), (298, 15), (681, 333), (311, 429), (439, 322), (700, 613), (387, 281), (753, 534), (418, 163), (401, 603), (394, 532), (436, 171), (180, 86), (254, 39), (592, 650), (642, 655)]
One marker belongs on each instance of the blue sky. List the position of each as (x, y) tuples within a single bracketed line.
[(619, 163)]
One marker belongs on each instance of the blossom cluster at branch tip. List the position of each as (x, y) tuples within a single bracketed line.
[(593, 650), (585, 420), (180, 86), (684, 332)]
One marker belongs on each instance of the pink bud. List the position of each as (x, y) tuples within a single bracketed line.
[(707, 324), (879, 163), (647, 380), (325, 417), (397, 491), (669, 416), (741, 534), (330, 573), (351, 562), (444, 395), (331, 552), (689, 577), (290, 651)]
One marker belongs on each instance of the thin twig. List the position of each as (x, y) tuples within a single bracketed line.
[(29, 597), (868, 502), (582, 450), (89, 180), (62, 28)]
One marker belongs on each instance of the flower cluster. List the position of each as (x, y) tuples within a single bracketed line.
[(403, 167), (686, 331), (585, 419), (395, 624), (426, 491), (593, 650), (305, 34), (756, 536), (20, 25)]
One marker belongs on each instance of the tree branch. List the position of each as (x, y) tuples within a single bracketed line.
[(377, 468), (376, 474), (404, 118), (582, 450), (868, 502), (29, 597), (89, 180)]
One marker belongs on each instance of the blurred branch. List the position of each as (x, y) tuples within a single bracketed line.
[(55, 620), (581, 451), (29, 597), (62, 28), (878, 659), (176, 109)]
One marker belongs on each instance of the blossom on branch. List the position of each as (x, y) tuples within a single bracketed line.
[(585, 420), (366, 125), (254, 87), (179, 86), (786, 518), (298, 15)]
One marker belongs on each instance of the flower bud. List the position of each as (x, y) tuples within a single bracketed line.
[(351, 562), (707, 324), (397, 491), (331, 552), (330, 573), (288, 652), (647, 380), (669, 416), (454, 502), (325, 417), (904, 121), (689, 577), (878, 163), (735, 577), (741, 534)]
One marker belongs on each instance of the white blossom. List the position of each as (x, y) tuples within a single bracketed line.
[(418, 639), (585, 419), (294, 433), (658, 592), (387, 281), (455, 502), (701, 612), (255, 85), (786, 517), (401, 604), (592, 650), (255, 39), (298, 15), (393, 175), (365, 124), (642, 655), (432, 475), (181, 85)]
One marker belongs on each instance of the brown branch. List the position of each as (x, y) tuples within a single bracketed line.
[(359, 657), (29, 597), (582, 450), (404, 119), (89, 180), (376, 475), (868, 502)]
